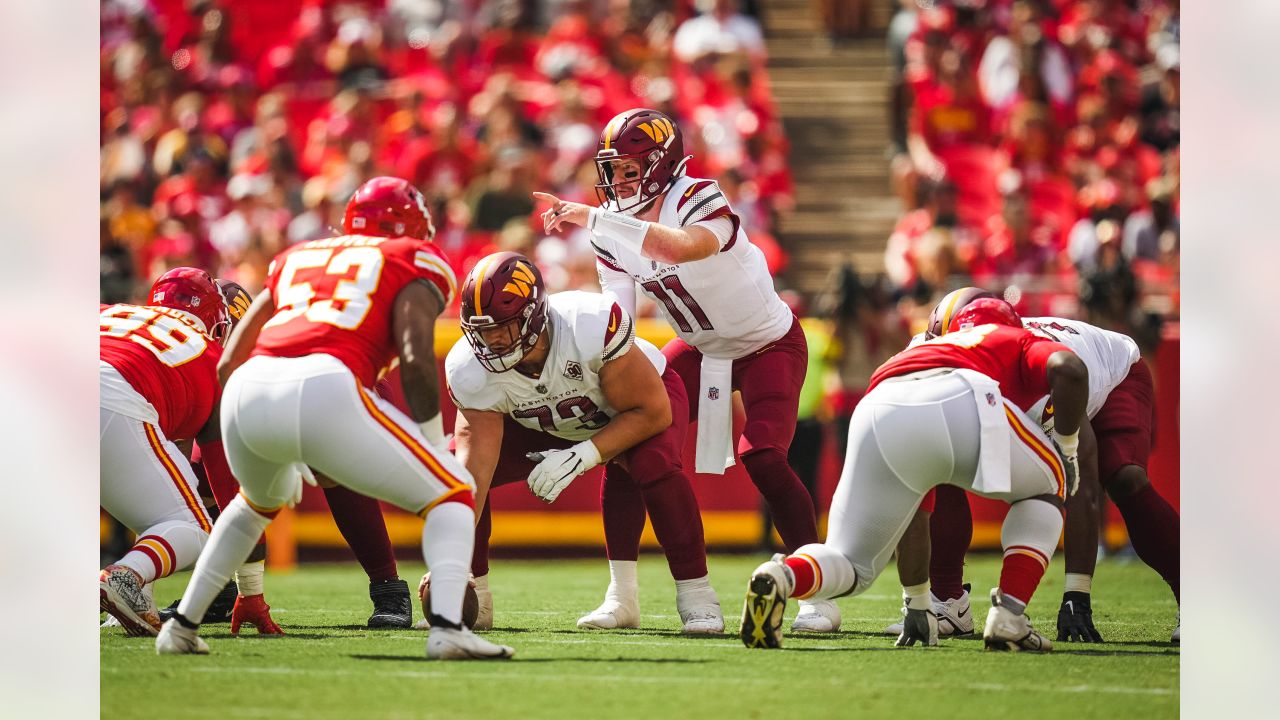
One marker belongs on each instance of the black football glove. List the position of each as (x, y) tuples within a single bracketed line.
[(1075, 619), (918, 625)]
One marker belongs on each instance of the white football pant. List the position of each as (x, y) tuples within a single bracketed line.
[(905, 437), (277, 412), (147, 484)]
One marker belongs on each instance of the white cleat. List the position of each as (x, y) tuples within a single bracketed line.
[(177, 640), (1008, 631), (121, 595), (766, 603), (817, 616), (955, 618), (449, 644), (614, 613), (703, 620)]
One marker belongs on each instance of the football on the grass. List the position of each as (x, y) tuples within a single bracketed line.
[(470, 601)]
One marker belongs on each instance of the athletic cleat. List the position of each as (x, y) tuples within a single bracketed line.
[(1176, 638), (450, 644), (120, 595), (219, 610), (253, 609), (817, 616), (918, 626), (392, 607), (702, 620), (766, 604), (1075, 619), (954, 616), (614, 613), (177, 640), (1007, 631)]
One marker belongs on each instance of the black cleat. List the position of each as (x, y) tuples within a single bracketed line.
[(219, 611), (1075, 619), (391, 605)]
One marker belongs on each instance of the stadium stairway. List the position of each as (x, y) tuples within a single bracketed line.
[(833, 99)]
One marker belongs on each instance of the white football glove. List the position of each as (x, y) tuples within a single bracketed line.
[(433, 431), (557, 468), (304, 476), (1069, 448)]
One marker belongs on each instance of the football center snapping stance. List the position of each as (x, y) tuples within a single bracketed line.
[(677, 238), (1115, 445), (549, 387), (950, 411), (157, 375), (297, 377)]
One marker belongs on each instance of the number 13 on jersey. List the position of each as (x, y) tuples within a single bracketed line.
[(343, 279)]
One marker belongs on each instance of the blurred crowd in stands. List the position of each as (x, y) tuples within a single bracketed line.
[(1036, 146), (233, 128)]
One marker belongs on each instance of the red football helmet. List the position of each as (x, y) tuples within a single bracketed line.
[(388, 207), (946, 309), (649, 137), (193, 291), (985, 311), (504, 309)]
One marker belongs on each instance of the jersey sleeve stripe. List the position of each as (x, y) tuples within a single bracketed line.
[(422, 454), (179, 481), (427, 261), (692, 211), (693, 190), (606, 259), (627, 338)]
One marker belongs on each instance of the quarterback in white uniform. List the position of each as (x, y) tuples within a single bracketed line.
[(1114, 448), (549, 387), (677, 239)]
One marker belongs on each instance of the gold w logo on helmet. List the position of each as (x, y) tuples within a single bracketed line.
[(521, 282), (658, 130)]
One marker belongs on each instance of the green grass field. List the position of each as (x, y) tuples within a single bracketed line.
[(331, 666)]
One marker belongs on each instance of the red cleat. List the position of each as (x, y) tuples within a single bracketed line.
[(254, 610)]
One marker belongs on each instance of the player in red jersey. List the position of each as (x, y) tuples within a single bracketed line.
[(950, 411), (158, 380), (298, 375)]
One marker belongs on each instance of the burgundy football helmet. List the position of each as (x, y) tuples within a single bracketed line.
[(504, 309), (649, 137), (388, 207), (237, 299), (985, 311), (946, 309), (193, 291)]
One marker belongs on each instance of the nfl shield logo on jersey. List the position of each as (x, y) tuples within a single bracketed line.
[(573, 370), (713, 393)]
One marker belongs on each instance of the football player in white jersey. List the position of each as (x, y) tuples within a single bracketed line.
[(677, 238), (1115, 445), (549, 387)]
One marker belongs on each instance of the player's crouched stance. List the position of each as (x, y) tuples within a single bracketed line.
[(335, 312), (947, 411)]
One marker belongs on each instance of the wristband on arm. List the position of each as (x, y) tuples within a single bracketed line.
[(625, 229)]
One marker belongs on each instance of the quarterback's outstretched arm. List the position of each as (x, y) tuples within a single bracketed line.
[(245, 336), (633, 387), (650, 239)]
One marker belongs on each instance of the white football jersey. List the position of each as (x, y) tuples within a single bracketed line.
[(587, 331), (723, 305), (1106, 354)]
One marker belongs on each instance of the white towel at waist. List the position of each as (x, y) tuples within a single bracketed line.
[(994, 454), (715, 416)]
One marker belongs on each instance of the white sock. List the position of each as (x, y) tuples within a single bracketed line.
[(249, 578), (623, 582), (1077, 582), (234, 535), (695, 593), (918, 597), (448, 537)]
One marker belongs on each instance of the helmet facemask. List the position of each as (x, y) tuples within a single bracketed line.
[(522, 333)]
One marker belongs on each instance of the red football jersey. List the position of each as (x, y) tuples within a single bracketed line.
[(334, 296), (1013, 357), (163, 354)]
